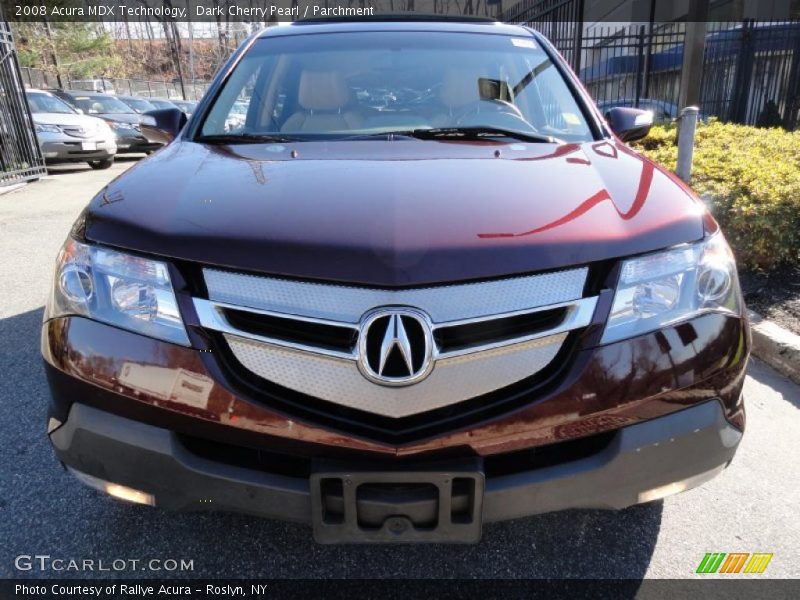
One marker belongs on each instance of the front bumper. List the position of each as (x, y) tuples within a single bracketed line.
[(626, 422), (601, 389), (642, 462), (72, 150), (130, 142)]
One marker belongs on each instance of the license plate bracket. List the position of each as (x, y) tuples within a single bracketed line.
[(88, 145), (437, 502)]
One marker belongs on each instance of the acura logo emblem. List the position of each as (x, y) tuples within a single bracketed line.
[(395, 346)]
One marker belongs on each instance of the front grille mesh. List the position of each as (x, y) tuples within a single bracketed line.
[(304, 336), (348, 304), (452, 380)]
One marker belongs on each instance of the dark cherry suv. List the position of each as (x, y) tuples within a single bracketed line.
[(396, 279)]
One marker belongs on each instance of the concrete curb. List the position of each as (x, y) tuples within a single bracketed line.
[(7, 189), (776, 346)]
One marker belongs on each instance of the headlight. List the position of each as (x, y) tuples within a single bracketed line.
[(120, 289), (115, 125), (40, 128), (676, 284)]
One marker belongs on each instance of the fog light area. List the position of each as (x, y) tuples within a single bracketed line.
[(676, 487), (115, 490)]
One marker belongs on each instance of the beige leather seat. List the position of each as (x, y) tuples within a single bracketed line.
[(459, 88), (322, 96)]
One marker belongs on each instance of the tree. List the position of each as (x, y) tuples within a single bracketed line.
[(78, 50)]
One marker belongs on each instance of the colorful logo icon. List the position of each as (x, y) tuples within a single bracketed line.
[(734, 562)]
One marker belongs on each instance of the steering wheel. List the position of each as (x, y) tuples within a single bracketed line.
[(491, 106)]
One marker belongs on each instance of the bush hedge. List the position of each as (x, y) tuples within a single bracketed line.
[(750, 179)]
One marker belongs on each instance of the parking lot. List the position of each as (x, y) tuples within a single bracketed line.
[(751, 507)]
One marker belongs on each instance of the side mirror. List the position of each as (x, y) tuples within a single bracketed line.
[(629, 123), (79, 111), (162, 125)]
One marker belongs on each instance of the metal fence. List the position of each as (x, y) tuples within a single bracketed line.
[(20, 156), (561, 21), (636, 65), (751, 73), (751, 70), (149, 88)]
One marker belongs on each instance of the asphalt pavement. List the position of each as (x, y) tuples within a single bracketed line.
[(752, 507)]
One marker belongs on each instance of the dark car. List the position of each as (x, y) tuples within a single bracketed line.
[(138, 104), (470, 302), (160, 103), (120, 117), (186, 106)]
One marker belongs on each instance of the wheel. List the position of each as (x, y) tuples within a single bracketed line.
[(491, 106), (493, 113), (101, 164)]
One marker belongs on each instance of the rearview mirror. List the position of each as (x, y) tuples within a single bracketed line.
[(494, 89), (629, 123), (162, 125)]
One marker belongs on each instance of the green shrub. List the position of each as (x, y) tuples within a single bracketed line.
[(750, 178)]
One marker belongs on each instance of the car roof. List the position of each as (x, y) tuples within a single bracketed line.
[(86, 93), (411, 24), (131, 97)]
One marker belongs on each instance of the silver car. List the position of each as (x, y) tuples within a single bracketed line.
[(65, 135)]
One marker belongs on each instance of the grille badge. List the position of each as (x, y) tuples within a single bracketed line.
[(395, 346)]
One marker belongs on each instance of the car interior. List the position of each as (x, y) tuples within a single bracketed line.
[(352, 94)]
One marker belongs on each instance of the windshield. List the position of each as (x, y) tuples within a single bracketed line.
[(162, 103), (186, 106), (349, 84), (102, 105), (44, 103), (140, 106)]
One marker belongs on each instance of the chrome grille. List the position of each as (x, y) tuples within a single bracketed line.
[(80, 132), (332, 373)]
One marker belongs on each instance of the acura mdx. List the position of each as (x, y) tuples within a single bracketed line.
[(395, 279)]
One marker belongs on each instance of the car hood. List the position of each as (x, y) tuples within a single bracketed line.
[(62, 119), (395, 213)]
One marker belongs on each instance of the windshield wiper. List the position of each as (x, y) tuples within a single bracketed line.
[(481, 132), (458, 133), (246, 138), (455, 133), (387, 135)]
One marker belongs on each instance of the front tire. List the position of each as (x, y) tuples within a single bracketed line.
[(101, 164)]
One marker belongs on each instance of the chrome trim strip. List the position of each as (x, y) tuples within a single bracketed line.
[(272, 313), (506, 315), (210, 317), (579, 314)]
